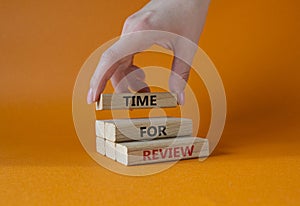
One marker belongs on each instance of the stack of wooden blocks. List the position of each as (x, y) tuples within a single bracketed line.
[(146, 140)]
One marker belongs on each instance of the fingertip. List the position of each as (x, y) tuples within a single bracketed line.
[(95, 97), (181, 98), (90, 96)]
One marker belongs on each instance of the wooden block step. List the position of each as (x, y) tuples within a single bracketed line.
[(100, 145), (136, 101), (100, 128), (121, 130), (110, 150), (161, 150)]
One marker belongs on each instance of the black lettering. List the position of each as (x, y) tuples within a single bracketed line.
[(142, 129), (153, 100), (153, 133), (133, 101), (141, 102), (162, 130), (127, 102)]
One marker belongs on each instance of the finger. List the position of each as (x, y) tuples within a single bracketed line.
[(178, 78), (184, 51), (112, 58), (104, 70), (135, 78), (118, 80), (137, 72)]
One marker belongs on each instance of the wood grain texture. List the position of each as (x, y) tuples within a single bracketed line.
[(110, 149), (99, 125), (121, 130), (162, 150), (136, 101), (100, 145)]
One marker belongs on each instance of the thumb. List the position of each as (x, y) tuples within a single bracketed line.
[(178, 78)]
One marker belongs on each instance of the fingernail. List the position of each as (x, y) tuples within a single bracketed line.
[(180, 98), (90, 96)]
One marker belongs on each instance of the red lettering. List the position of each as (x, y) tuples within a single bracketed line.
[(170, 153), (146, 155), (163, 154), (154, 154), (187, 150), (176, 152)]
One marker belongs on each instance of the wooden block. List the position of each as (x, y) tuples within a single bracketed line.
[(121, 130), (110, 149), (136, 101), (162, 150), (99, 128), (100, 145)]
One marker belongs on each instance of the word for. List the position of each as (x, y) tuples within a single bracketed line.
[(153, 131)]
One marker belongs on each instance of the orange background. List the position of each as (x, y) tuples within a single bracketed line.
[(255, 46)]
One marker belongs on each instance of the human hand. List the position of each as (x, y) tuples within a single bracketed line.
[(184, 18)]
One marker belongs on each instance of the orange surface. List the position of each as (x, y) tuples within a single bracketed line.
[(255, 46)]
